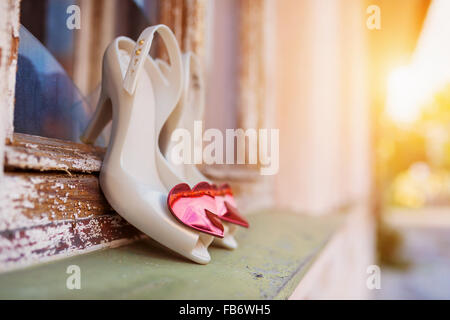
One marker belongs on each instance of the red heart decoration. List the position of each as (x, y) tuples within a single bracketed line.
[(195, 208), (226, 206)]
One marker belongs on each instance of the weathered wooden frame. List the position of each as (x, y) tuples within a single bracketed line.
[(9, 44)]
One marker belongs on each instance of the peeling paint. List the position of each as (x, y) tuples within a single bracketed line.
[(34, 199), (23, 247), (45, 154)]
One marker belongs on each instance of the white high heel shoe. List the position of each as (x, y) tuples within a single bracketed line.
[(189, 109), (132, 87)]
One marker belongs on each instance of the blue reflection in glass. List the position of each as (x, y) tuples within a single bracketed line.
[(47, 102), (59, 40)]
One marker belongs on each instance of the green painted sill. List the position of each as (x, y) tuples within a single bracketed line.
[(273, 256)]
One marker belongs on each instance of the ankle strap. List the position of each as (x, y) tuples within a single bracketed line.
[(142, 50)]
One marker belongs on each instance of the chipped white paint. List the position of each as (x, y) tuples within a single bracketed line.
[(26, 255), (84, 165), (27, 160), (9, 28), (31, 145), (25, 192), (28, 236), (22, 190)]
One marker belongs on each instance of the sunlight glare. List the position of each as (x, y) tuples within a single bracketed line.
[(409, 89), (403, 95)]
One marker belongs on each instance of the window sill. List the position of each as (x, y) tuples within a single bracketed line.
[(273, 257)]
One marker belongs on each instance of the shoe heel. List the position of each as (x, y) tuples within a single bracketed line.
[(101, 117)]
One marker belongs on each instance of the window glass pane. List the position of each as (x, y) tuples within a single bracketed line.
[(53, 97), (47, 102)]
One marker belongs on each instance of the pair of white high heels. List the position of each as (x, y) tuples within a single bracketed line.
[(141, 95)]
